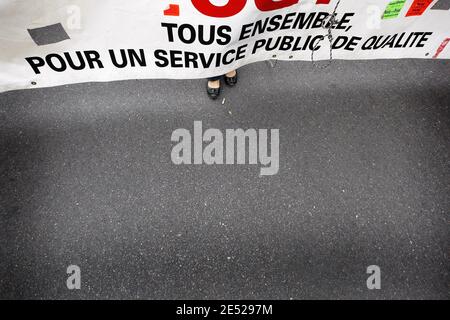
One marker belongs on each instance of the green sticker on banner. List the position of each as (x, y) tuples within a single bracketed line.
[(393, 9)]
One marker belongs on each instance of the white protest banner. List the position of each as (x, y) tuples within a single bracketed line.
[(52, 42)]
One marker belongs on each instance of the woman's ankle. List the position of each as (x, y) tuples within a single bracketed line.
[(214, 84), (231, 74)]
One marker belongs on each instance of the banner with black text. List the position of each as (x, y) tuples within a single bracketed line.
[(53, 42)]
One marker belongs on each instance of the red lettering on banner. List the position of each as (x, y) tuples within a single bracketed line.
[(323, 2), (232, 8), (173, 10), (269, 5)]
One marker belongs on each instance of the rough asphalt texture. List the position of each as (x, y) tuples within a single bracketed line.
[(86, 178)]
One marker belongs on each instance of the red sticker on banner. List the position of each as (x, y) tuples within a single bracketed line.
[(441, 48), (418, 7)]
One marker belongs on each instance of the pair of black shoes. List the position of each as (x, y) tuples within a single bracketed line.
[(214, 93)]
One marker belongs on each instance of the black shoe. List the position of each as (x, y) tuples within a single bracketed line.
[(213, 93), (231, 81)]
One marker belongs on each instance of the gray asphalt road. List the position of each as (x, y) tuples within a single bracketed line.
[(86, 178)]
